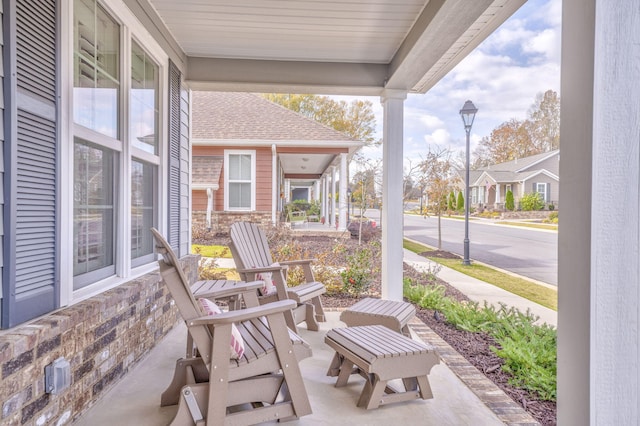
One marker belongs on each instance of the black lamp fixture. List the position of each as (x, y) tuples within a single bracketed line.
[(468, 114)]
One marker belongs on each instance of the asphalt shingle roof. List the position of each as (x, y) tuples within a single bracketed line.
[(205, 169), (247, 116)]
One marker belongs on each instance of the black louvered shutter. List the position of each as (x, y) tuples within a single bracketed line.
[(174, 157), (30, 273)]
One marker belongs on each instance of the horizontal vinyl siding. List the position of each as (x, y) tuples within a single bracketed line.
[(1, 153), (199, 200), (263, 178)]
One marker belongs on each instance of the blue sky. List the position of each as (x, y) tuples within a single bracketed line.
[(502, 77)]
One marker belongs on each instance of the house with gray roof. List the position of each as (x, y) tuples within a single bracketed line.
[(252, 156), (538, 173)]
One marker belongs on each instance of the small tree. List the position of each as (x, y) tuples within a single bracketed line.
[(438, 170), (509, 204), (460, 205), (452, 201)]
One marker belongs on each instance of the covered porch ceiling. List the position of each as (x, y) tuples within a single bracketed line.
[(354, 47)]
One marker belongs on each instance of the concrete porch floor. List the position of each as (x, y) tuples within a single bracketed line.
[(135, 400)]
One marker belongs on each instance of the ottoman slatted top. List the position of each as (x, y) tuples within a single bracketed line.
[(380, 355), (392, 314)]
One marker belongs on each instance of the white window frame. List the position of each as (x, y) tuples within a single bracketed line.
[(130, 28), (227, 153), (543, 193)]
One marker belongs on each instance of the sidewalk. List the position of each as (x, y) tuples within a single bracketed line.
[(481, 291)]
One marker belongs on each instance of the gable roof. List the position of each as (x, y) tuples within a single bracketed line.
[(205, 171), (247, 116), (521, 164)]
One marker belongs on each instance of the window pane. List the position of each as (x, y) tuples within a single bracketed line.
[(245, 167), (143, 189), (144, 101), (234, 167), (96, 68), (93, 208), (239, 195)]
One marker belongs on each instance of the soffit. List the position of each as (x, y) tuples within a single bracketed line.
[(317, 46)]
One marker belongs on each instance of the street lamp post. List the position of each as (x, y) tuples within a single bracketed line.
[(468, 114)]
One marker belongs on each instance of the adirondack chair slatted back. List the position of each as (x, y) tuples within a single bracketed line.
[(178, 285), (250, 246)]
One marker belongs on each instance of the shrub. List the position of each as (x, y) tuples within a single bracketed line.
[(460, 204), (531, 201), (508, 201), (361, 266), (551, 207), (528, 350), (451, 202)]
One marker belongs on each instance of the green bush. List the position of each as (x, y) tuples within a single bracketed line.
[(509, 204), (529, 350), (460, 205), (358, 275), (451, 202), (531, 201)]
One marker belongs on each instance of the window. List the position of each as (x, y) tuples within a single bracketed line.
[(239, 179), (143, 211), (474, 195), (93, 213), (541, 188), (96, 68), (143, 126), (113, 150)]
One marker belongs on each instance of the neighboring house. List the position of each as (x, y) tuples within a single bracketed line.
[(538, 173), (257, 156)]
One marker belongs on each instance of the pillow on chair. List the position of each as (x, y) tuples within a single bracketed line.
[(237, 344), (267, 277)]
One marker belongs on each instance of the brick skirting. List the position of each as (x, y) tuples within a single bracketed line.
[(102, 338), (221, 221)]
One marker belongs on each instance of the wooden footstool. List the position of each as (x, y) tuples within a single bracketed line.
[(379, 355), (391, 314)]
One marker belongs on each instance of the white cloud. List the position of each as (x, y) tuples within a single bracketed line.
[(440, 137), (431, 121)]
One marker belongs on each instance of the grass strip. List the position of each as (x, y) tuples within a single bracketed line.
[(542, 295), (211, 251), (546, 226)]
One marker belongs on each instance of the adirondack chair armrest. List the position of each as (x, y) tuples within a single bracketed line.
[(272, 268), (244, 314), (297, 262)]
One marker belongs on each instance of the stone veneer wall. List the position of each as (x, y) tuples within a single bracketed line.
[(221, 221), (102, 338)]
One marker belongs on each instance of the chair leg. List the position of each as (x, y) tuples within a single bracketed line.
[(317, 303), (187, 371), (310, 317)]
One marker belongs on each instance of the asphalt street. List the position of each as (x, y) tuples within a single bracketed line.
[(524, 251)]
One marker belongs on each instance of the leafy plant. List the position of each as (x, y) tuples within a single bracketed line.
[(509, 203), (532, 201), (451, 205), (529, 350), (358, 274), (460, 204)]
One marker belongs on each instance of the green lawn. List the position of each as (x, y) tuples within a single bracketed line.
[(211, 251), (536, 293)]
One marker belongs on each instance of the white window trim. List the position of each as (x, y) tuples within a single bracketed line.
[(227, 153), (131, 28), (543, 192)]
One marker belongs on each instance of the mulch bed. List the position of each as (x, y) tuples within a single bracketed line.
[(475, 347)]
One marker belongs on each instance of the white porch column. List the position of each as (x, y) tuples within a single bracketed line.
[(598, 245), (333, 197), (392, 175), (497, 193), (275, 187), (325, 199), (342, 203)]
